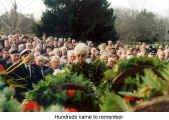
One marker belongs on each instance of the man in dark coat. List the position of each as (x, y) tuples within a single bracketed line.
[(34, 73), (22, 75), (18, 79), (41, 66)]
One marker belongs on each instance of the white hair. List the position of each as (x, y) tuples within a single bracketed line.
[(81, 47), (54, 58)]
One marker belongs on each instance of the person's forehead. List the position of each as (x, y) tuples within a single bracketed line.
[(79, 52)]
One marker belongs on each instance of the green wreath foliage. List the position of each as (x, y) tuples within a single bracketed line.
[(143, 85), (93, 71), (111, 102), (7, 101), (151, 87), (55, 91), (126, 75)]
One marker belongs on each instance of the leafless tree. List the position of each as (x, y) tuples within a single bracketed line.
[(14, 22)]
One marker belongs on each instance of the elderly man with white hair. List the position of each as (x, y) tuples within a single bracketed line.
[(81, 52)]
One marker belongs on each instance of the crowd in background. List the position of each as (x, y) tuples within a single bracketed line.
[(51, 55), (55, 53)]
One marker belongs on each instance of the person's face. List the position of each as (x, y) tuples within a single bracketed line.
[(59, 44), (64, 60), (21, 48), (73, 41), (80, 57), (58, 53), (110, 43), (48, 50), (64, 51), (167, 54), (24, 40), (72, 57), (135, 51), (110, 62), (161, 56), (61, 40), (14, 41), (93, 51), (70, 46), (112, 51), (29, 46), (55, 64), (6, 43), (25, 56), (40, 62), (50, 43), (5, 54), (15, 57), (55, 43)]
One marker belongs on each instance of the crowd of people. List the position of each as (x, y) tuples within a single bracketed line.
[(50, 55)]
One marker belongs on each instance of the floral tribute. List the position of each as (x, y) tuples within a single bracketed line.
[(70, 110), (31, 107), (71, 92)]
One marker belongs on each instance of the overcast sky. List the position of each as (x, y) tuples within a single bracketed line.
[(36, 7)]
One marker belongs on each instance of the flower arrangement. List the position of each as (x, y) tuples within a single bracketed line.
[(145, 85), (31, 107), (70, 110), (70, 91)]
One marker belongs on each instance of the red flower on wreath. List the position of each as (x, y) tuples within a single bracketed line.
[(71, 92), (129, 98), (31, 107), (70, 110), (2, 67)]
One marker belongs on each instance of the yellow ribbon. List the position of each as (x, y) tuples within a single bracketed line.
[(8, 71)]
